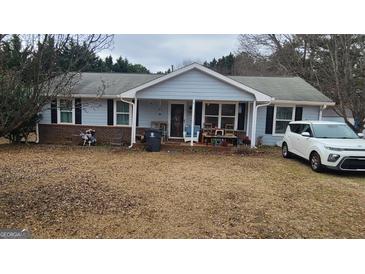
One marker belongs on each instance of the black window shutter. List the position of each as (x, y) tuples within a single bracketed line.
[(298, 113), (269, 119), (78, 111), (54, 111), (241, 116), (198, 113), (110, 112)]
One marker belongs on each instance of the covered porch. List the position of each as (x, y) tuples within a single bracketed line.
[(208, 122), (196, 98)]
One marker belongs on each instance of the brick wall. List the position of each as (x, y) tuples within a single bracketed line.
[(70, 134)]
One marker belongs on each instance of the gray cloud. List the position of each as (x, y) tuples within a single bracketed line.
[(159, 52)]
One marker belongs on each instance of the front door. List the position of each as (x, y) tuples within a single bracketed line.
[(177, 120)]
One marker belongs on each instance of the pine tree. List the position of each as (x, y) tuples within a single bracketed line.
[(224, 65), (109, 63)]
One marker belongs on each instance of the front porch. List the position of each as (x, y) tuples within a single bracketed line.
[(195, 96), (195, 122)]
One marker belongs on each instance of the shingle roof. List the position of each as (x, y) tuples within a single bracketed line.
[(111, 83), (283, 88)]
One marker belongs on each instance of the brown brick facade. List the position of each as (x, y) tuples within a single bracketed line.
[(69, 134)]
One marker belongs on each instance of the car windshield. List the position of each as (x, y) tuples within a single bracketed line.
[(334, 131)]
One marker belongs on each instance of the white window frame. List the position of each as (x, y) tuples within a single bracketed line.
[(215, 116), (275, 120), (220, 103), (59, 111), (115, 114)]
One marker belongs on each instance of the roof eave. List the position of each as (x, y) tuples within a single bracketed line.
[(308, 103), (82, 95)]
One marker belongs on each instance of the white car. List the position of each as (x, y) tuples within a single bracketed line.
[(331, 145)]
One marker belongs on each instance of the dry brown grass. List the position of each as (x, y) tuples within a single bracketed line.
[(72, 192)]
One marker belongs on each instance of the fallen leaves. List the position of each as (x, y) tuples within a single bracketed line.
[(72, 192)]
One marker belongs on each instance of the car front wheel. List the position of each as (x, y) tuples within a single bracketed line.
[(315, 162), (285, 151)]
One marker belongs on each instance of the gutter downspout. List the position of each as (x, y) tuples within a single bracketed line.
[(132, 129), (321, 112), (254, 121)]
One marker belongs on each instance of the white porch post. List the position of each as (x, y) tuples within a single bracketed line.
[(248, 119), (134, 125), (192, 123), (253, 129)]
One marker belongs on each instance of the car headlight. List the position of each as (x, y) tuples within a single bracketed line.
[(334, 148), (333, 157)]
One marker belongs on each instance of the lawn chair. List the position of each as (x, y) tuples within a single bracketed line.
[(228, 130), (187, 134)]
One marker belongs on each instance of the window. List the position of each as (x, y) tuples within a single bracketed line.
[(300, 128), (307, 128), (334, 131), (66, 111), (122, 113), (228, 115), (295, 128), (212, 114), (283, 116), (220, 115)]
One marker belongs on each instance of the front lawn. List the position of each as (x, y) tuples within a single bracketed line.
[(74, 192)]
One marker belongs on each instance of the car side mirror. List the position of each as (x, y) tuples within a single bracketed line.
[(361, 135), (306, 134)]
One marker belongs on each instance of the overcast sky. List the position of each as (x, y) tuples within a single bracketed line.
[(159, 52)]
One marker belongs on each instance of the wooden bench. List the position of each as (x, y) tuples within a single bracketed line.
[(206, 138)]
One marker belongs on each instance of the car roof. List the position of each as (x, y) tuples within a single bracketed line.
[(317, 122)]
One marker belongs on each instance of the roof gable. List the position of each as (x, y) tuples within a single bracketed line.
[(195, 84), (257, 94)]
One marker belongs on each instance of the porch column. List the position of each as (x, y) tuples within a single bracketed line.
[(134, 124), (253, 128), (248, 124), (192, 122)]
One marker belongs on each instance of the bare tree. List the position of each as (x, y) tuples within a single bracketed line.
[(245, 64), (345, 75), (332, 63), (35, 74)]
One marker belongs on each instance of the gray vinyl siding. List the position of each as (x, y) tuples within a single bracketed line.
[(309, 113), (267, 139), (46, 115), (157, 111), (195, 84), (94, 112), (152, 110)]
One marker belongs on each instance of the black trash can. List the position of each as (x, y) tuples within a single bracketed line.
[(153, 140)]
